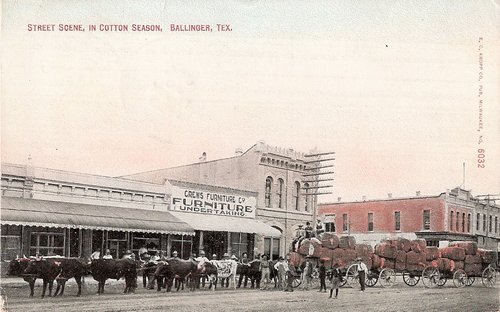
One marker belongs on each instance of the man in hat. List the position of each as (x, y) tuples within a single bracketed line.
[(362, 271), (174, 255), (299, 236), (225, 257), (201, 259), (266, 272), (108, 255), (319, 227), (308, 229)]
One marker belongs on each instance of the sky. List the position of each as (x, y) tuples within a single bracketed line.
[(392, 87)]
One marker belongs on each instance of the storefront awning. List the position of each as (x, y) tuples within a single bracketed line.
[(33, 212), (206, 222)]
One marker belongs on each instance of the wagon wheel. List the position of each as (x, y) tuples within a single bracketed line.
[(351, 275), (410, 279), (387, 277), (470, 280), (296, 281), (371, 279), (459, 278), (343, 282), (441, 281), (430, 277), (489, 277)]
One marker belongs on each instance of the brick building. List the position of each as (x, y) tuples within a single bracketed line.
[(276, 177), (450, 216)]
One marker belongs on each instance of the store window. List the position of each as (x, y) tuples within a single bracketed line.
[(370, 222), (272, 247), (397, 220), (269, 183), (117, 243), (10, 242), (48, 242), (427, 219), (239, 244), (148, 240), (183, 244), (280, 193)]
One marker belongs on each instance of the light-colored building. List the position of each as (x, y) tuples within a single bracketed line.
[(46, 211), (277, 177)]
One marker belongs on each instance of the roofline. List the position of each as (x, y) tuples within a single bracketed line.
[(79, 173), (382, 199), (186, 165)]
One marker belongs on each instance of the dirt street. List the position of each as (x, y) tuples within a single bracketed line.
[(399, 298)]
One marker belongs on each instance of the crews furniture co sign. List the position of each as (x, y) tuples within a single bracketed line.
[(214, 203)]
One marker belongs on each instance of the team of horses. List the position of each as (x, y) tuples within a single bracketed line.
[(165, 274)]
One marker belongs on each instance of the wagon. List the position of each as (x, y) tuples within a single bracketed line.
[(432, 277)]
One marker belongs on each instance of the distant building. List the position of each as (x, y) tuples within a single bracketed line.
[(450, 216)]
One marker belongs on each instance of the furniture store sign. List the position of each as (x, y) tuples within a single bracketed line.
[(215, 203)]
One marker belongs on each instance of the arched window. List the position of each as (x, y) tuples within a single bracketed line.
[(306, 197), (280, 193), (296, 192), (269, 183)]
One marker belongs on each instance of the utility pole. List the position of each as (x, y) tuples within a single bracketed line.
[(318, 166)]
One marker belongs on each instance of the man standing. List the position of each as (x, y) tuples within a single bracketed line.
[(290, 274), (266, 272), (280, 268), (322, 276), (362, 271), (244, 262)]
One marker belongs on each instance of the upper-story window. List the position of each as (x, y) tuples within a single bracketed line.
[(451, 220), (490, 228), (463, 222), (345, 222), (457, 222), (397, 220), (370, 222), (280, 193), (296, 193), (306, 197), (269, 185), (427, 219), (484, 222), (478, 220), (468, 223)]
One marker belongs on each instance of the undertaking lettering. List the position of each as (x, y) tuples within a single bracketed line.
[(203, 202)]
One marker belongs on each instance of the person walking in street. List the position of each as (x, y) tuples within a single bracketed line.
[(322, 276), (307, 274), (335, 280), (362, 272)]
